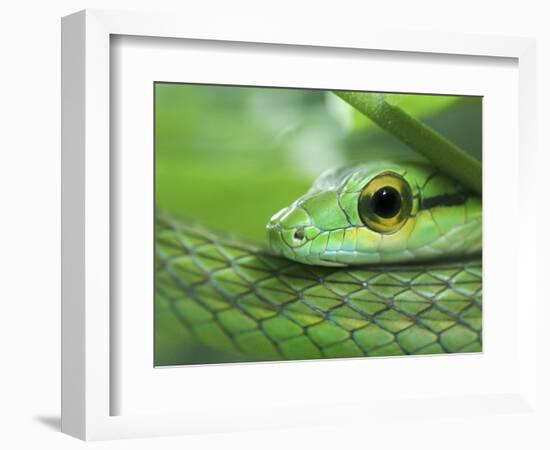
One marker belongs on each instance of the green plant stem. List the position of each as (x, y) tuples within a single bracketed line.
[(445, 155)]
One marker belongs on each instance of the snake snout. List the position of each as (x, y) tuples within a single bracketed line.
[(288, 229), (299, 234)]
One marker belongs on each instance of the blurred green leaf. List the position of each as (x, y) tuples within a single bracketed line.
[(442, 153), (419, 106)]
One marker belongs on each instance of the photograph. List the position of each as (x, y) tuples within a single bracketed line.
[(304, 224), (278, 225)]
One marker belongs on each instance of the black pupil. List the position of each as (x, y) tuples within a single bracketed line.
[(386, 202)]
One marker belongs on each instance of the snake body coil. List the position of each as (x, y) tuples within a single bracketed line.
[(239, 299)]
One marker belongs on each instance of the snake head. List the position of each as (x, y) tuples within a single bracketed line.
[(379, 213)]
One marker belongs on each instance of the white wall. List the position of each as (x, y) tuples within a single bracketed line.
[(29, 182)]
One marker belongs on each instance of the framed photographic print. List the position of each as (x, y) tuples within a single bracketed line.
[(263, 229)]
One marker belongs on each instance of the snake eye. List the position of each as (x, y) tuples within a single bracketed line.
[(385, 203)]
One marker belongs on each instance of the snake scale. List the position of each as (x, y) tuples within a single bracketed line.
[(376, 259)]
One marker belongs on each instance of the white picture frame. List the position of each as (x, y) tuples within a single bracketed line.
[(91, 341)]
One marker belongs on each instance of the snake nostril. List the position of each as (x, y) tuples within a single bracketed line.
[(299, 234)]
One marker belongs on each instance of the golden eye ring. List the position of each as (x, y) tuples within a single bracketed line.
[(385, 203)]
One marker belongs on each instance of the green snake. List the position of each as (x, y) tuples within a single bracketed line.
[(376, 259)]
